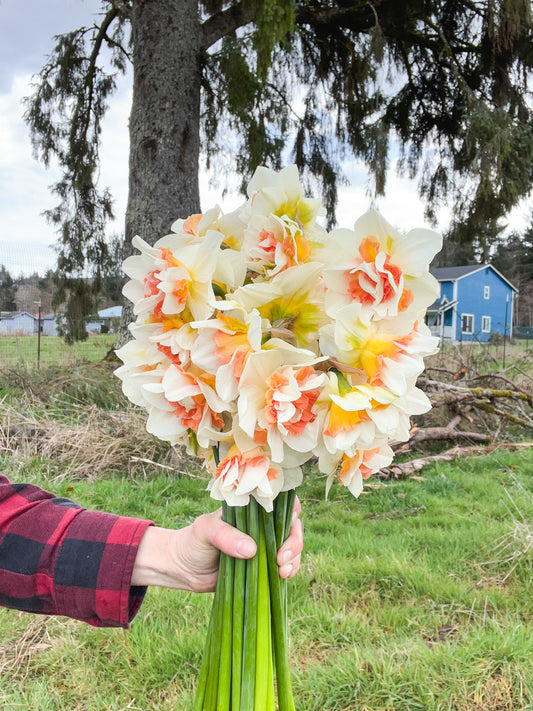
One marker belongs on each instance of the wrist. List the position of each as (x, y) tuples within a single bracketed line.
[(156, 562)]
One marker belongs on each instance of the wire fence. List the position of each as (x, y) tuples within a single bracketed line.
[(29, 334), (32, 351)]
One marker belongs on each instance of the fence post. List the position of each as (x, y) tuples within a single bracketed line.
[(39, 334), (505, 330)]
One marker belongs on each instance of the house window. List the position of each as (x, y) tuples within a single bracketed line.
[(485, 324), (467, 323), (486, 292)]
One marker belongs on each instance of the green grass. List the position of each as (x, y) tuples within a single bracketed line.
[(22, 350), (398, 606)]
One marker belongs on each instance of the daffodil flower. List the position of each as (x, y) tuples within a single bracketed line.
[(278, 390), (388, 351), (281, 194), (251, 473), (292, 303), (391, 414), (344, 421), (223, 345), (181, 402), (352, 470), (188, 282), (385, 272), (273, 244)]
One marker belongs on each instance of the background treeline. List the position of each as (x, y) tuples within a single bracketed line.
[(23, 292)]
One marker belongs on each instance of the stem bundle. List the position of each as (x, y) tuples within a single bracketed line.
[(247, 648)]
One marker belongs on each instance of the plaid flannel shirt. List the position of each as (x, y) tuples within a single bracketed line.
[(57, 558)]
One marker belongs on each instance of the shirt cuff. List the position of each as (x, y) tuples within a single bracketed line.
[(92, 580)]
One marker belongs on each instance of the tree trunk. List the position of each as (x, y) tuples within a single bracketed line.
[(164, 122)]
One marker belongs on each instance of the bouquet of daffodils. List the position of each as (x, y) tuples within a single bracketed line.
[(263, 341)]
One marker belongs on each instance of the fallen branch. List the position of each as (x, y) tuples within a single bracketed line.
[(402, 470), (434, 434), (514, 385), (487, 407), (450, 394)]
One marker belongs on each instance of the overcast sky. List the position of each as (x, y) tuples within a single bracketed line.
[(27, 28)]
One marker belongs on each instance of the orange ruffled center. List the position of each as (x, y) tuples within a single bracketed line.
[(365, 281), (242, 460), (278, 401)]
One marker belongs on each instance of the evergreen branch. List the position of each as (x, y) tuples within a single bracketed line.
[(330, 18), (113, 43), (284, 100), (102, 34), (123, 8), (454, 63), (225, 23)]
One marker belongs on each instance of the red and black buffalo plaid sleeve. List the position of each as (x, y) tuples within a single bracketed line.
[(57, 558)]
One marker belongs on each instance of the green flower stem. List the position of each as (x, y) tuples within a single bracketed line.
[(204, 671), (280, 508), (213, 650), (279, 626), (239, 582), (271, 700), (247, 638), (250, 615), (280, 514), (289, 509), (264, 648), (291, 499), (225, 671)]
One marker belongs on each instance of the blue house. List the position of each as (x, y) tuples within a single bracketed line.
[(474, 302)]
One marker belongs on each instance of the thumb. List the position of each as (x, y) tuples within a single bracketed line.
[(226, 538)]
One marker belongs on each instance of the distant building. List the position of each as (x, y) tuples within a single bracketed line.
[(18, 323), (22, 323), (107, 319), (475, 301), (48, 325)]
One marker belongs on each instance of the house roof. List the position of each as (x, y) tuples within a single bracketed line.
[(456, 273), (111, 312), (7, 315), (453, 273), (441, 305)]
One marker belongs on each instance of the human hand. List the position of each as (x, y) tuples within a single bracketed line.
[(187, 559)]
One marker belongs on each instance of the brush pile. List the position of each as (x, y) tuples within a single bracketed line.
[(477, 405)]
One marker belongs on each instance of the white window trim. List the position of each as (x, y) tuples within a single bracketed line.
[(468, 333), (486, 292), (484, 320)]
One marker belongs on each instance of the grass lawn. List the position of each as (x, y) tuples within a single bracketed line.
[(416, 596), (22, 350)]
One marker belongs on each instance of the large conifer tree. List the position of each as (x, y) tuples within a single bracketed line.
[(315, 80)]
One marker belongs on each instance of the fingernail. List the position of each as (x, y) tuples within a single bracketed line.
[(287, 557), (286, 570), (246, 548)]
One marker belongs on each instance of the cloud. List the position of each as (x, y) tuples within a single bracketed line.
[(27, 28), (24, 190), (26, 31)]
